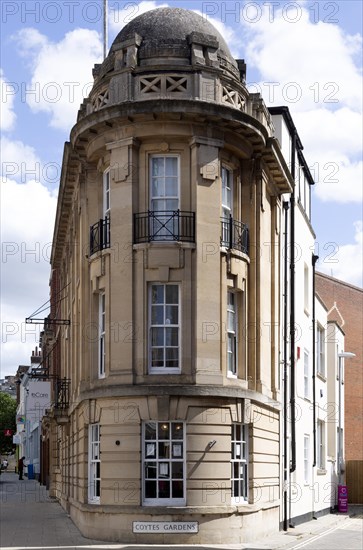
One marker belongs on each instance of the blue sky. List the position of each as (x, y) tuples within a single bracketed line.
[(306, 55)]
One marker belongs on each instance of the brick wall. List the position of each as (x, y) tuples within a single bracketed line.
[(345, 305)]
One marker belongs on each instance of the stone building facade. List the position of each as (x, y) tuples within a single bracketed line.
[(164, 326)]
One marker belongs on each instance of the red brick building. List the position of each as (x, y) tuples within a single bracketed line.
[(345, 306)]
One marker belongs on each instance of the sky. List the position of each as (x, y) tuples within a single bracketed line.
[(305, 55)]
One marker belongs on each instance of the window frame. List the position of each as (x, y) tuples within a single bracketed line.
[(227, 185), (166, 461), (232, 335), (242, 460), (151, 177), (94, 464), (307, 377), (164, 326), (306, 290), (102, 335), (106, 194), (307, 459), (320, 444), (320, 350)]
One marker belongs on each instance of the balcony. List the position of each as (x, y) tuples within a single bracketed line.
[(165, 225), (100, 235), (234, 235), (61, 393)]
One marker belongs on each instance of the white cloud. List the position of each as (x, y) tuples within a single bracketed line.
[(312, 64), (311, 69), (61, 72), (7, 96), (347, 260), (27, 219), (19, 161)]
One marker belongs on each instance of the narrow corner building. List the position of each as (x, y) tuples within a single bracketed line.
[(166, 278)]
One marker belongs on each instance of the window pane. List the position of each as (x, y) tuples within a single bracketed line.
[(164, 449), (177, 430), (150, 489), (171, 204), (171, 337), (163, 430), (177, 470), (157, 336), (171, 294), (158, 166), (171, 315), (150, 430), (150, 470), (157, 357), (150, 450), (177, 489), (171, 187), (171, 166), (157, 294), (164, 489), (171, 357), (157, 315), (157, 187)]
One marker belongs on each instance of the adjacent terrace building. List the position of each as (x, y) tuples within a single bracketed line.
[(165, 290)]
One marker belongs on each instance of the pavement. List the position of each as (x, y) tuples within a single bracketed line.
[(30, 519)]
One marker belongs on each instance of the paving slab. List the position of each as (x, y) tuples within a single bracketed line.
[(30, 519)]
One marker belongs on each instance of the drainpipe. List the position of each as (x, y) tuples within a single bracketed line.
[(314, 259), (292, 310), (285, 496)]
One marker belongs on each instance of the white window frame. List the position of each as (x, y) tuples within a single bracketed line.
[(232, 334), (158, 202), (163, 369), (227, 191), (307, 377), (307, 459), (101, 335), (239, 463), (306, 289), (226, 201), (320, 350), (163, 465), (106, 201), (164, 197), (320, 445), (94, 464)]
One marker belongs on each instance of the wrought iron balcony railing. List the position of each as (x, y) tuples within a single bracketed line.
[(165, 225), (100, 235), (62, 393), (234, 234)]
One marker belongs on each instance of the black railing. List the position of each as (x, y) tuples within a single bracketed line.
[(165, 225), (100, 235), (62, 393), (234, 234)]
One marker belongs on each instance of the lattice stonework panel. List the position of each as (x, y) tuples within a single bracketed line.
[(101, 100), (176, 84), (163, 84), (232, 97), (149, 85)]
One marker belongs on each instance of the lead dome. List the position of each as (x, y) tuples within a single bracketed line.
[(166, 29)]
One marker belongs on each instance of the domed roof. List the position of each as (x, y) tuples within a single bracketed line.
[(163, 26)]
